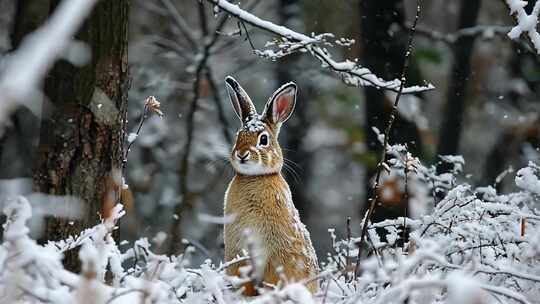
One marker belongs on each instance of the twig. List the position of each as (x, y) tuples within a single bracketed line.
[(227, 44), (197, 245), (375, 250), (481, 31), (347, 258), (405, 198), (326, 291), (324, 274), (233, 262), (505, 292), (386, 136), (170, 45), (181, 24), (150, 105), (247, 35), (501, 176), (202, 19), (29, 292), (139, 127), (522, 276), (115, 296)]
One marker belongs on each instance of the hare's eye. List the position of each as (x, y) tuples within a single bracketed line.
[(263, 140)]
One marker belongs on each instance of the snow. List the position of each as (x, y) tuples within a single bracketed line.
[(466, 248), (526, 24), (254, 20), (526, 179), (463, 289), (132, 137), (17, 212), (457, 160), (218, 220), (254, 123), (25, 68), (159, 238)]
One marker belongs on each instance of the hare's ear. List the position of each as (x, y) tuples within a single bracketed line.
[(281, 105), (242, 104)]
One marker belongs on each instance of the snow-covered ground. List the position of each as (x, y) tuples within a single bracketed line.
[(472, 246)]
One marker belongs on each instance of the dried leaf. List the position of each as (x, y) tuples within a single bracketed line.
[(153, 106)]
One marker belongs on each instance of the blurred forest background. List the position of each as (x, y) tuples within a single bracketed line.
[(485, 105)]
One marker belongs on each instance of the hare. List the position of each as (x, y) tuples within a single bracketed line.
[(258, 199)]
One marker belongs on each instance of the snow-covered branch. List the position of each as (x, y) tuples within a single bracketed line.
[(526, 23), (290, 41), (25, 68)]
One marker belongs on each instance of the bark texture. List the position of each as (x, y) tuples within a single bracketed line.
[(81, 140)]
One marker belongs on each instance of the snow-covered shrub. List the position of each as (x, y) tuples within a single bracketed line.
[(465, 245), (472, 246)]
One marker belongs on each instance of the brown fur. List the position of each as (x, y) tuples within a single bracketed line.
[(253, 201)]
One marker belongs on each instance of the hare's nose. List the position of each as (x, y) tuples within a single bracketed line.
[(243, 157)]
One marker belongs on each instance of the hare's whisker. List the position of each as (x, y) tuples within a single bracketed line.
[(289, 150), (292, 163), (292, 172)]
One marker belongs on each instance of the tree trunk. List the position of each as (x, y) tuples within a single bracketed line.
[(450, 132), (81, 141), (383, 53)]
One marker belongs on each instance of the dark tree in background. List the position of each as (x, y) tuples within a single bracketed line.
[(383, 51), (287, 70), (81, 140), (452, 117)]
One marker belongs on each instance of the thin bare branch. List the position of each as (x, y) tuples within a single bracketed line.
[(181, 24), (480, 31), (380, 166)]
